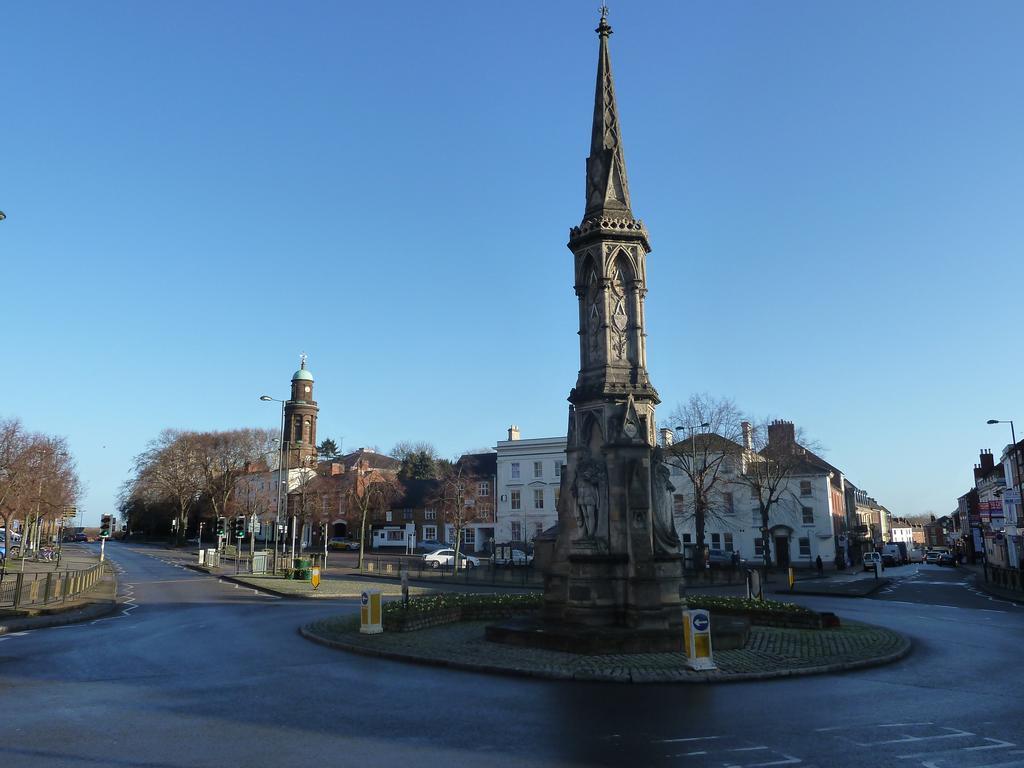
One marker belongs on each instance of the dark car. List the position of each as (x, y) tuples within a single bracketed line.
[(80, 537), (947, 559), (720, 558)]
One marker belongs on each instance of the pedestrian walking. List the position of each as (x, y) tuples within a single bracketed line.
[(820, 565)]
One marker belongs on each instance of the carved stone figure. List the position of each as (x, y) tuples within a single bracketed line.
[(586, 489), (666, 539)]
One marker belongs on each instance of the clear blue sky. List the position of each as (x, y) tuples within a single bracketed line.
[(198, 191)]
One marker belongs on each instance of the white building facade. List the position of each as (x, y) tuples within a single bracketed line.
[(800, 527), (529, 480)]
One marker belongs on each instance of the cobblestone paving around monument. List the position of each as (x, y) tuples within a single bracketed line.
[(769, 653)]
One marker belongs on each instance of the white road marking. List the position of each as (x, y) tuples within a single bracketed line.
[(678, 741), (954, 734)]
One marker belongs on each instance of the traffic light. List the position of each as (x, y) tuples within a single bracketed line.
[(239, 527), (105, 526), (220, 526)]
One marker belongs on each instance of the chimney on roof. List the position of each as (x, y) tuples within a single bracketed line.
[(666, 437), (781, 434), (748, 435), (513, 432), (987, 460)]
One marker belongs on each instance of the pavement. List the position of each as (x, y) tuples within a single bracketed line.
[(195, 671), (769, 653), (99, 601)]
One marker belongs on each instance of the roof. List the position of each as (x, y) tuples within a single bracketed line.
[(416, 494), (479, 464), (373, 459)]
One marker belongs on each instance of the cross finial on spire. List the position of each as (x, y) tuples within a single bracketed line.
[(602, 26), (302, 360)]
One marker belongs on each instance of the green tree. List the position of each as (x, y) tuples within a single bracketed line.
[(328, 450)]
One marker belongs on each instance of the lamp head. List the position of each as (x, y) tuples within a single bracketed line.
[(992, 421), (266, 398)]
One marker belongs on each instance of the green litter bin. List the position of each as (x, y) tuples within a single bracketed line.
[(303, 568)]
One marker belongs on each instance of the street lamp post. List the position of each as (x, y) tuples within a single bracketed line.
[(1016, 466), (280, 466), (693, 475)]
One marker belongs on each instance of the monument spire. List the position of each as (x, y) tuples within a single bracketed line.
[(607, 188)]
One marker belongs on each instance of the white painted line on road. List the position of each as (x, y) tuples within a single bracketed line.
[(884, 725), (935, 763), (738, 749), (997, 745), (787, 760), (678, 741), (955, 734), (986, 610)]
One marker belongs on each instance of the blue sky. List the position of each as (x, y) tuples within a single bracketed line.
[(197, 192)]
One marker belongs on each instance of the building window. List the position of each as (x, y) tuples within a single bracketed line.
[(516, 501), (538, 469), (727, 502), (538, 498), (805, 547), (557, 491), (805, 487), (517, 531), (538, 529), (387, 516), (430, 514), (808, 513), (407, 514), (429, 532), (755, 517), (558, 469), (687, 538), (759, 547), (469, 534), (514, 470), (716, 541), (678, 504), (483, 489), (728, 542)]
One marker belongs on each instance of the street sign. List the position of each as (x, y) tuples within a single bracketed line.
[(315, 579)]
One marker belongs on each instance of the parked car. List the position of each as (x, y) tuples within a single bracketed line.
[(721, 558), (445, 558), (945, 558), (892, 555), (870, 559), (916, 555), (931, 556), (342, 543), (430, 545), (516, 558)]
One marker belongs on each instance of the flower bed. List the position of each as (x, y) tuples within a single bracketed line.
[(449, 607), (765, 613)]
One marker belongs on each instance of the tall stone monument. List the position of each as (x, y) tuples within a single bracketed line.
[(616, 565)]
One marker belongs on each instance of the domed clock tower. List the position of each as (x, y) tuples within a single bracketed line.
[(300, 419)]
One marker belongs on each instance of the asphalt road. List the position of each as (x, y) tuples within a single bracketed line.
[(195, 672)]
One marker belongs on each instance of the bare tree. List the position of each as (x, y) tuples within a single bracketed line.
[(366, 490), (456, 499), (224, 457), (170, 470), (711, 433), (777, 452)]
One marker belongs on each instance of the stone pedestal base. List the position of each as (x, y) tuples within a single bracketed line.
[(536, 633), (595, 595)]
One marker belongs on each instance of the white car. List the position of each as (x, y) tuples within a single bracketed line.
[(871, 559), (445, 557), (517, 558)]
